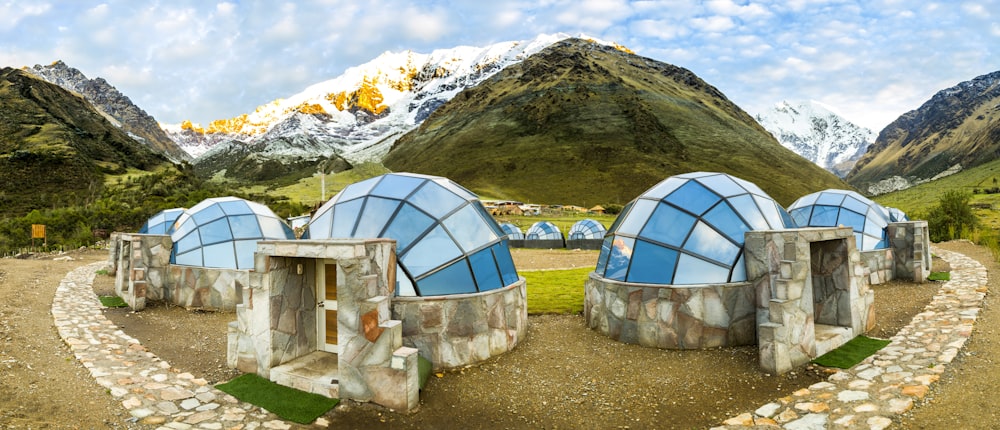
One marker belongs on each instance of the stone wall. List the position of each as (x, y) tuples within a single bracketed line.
[(141, 263), (461, 329), (205, 287), (671, 316), (911, 243), (880, 265)]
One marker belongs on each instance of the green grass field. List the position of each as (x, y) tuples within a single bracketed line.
[(919, 200), (555, 291)]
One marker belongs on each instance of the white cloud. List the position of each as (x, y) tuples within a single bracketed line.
[(713, 24), (729, 8), (11, 13)]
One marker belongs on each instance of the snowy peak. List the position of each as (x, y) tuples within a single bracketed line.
[(814, 131)]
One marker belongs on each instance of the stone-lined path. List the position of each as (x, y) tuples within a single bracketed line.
[(154, 393), (886, 384)]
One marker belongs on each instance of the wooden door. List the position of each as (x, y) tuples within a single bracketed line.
[(326, 311)]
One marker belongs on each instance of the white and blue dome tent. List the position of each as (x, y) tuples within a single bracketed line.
[(543, 230), (587, 229), (162, 223), (831, 208), (513, 232), (446, 242), (223, 233), (688, 229)]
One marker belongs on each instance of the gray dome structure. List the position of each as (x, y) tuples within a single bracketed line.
[(543, 230), (223, 233), (513, 232), (587, 229), (162, 222), (688, 229), (446, 241), (830, 208)]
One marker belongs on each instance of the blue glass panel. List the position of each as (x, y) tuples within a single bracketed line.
[(652, 264), (187, 243), (868, 243), (666, 186), (693, 270), (435, 199), (453, 279), (602, 258), (244, 253), (487, 218), (722, 185), (709, 243), (855, 205), (245, 226), (636, 218), (344, 216), (208, 214), (273, 228), (192, 258), (484, 268), (508, 273), (859, 241), (220, 255), (406, 226), (668, 225), (801, 216), (746, 206), (851, 219), (785, 219), (396, 186), (215, 232), (830, 198), (806, 200), (457, 189), (618, 260), (319, 227), (724, 219), (577, 235), (621, 216), (824, 216), (404, 286), (873, 227), (356, 190), (770, 211), (377, 212), (749, 186), (434, 250), (469, 229), (693, 197), (235, 207), (739, 273), (157, 219)]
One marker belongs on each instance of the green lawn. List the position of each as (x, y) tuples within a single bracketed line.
[(556, 291)]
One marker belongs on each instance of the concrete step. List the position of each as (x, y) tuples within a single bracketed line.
[(830, 337), (316, 372)]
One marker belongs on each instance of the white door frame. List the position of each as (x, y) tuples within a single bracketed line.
[(323, 305)]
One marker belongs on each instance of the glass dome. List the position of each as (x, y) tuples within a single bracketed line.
[(543, 230), (830, 208), (445, 240), (223, 232), (162, 223), (587, 229), (896, 215), (513, 232), (688, 229)]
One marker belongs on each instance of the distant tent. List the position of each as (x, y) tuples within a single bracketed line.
[(597, 209), (513, 232), (162, 223), (543, 230), (587, 229), (831, 208), (223, 232)]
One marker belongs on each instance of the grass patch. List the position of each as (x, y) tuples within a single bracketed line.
[(939, 276), (851, 353), (423, 370), (112, 302), (556, 291), (287, 403)]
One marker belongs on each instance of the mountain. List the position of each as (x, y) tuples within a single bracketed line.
[(356, 115), (813, 131), (585, 123), (55, 148), (956, 129), (114, 105)]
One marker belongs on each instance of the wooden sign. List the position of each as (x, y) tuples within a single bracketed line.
[(38, 231)]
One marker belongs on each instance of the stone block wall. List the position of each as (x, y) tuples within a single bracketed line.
[(880, 265), (205, 287), (910, 242), (671, 316), (461, 329), (141, 263)]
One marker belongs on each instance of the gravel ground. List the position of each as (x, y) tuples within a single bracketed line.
[(563, 376)]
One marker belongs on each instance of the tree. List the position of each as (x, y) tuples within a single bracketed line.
[(952, 218)]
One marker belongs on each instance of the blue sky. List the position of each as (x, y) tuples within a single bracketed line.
[(872, 60)]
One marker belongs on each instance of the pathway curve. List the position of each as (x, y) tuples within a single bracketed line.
[(152, 391), (886, 384)]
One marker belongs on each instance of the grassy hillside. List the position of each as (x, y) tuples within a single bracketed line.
[(586, 124), (976, 182)]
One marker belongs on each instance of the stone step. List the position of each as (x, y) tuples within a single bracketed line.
[(830, 337), (316, 372)]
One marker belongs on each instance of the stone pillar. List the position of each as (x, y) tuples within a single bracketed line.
[(910, 243)]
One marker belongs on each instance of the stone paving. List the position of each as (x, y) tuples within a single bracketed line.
[(866, 396), (154, 393), (888, 383)]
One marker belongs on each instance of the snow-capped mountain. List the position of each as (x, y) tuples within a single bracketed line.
[(818, 134), (359, 114)]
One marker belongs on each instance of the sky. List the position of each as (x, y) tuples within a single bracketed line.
[(199, 60)]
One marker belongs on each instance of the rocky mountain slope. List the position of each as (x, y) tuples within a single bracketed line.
[(813, 131), (118, 108), (957, 128), (586, 123), (56, 148)]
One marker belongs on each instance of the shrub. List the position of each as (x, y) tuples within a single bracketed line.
[(952, 218)]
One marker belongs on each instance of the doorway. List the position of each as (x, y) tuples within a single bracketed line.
[(326, 309), (830, 282)]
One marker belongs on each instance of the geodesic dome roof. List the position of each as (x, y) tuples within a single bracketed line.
[(223, 232), (587, 229), (896, 215), (513, 232), (162, 222), (543, 230), (688, 229), (446, 242), (830, 208)]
